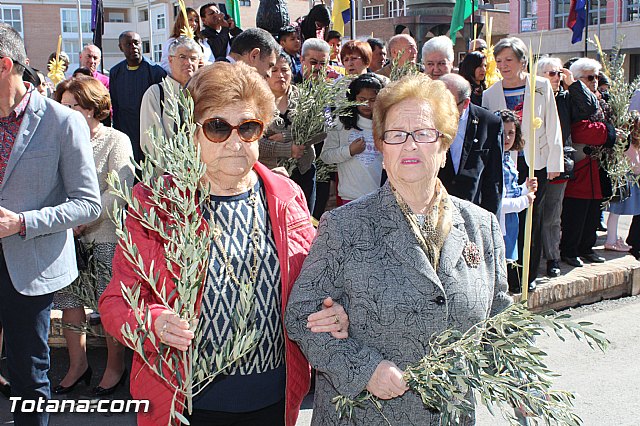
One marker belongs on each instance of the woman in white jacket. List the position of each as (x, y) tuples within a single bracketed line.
[(350, 144), (514, 92)]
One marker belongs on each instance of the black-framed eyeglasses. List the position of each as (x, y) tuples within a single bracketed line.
[(218, 130), (590, 77), (398, 137)]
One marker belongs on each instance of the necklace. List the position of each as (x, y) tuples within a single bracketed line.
[(255, 239)]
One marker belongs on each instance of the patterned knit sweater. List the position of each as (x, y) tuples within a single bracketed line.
[(111, 152)]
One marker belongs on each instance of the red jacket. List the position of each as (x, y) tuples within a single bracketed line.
[(293, 234), (586, 183)]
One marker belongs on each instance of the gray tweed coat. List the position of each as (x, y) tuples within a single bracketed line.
[(366, 258)]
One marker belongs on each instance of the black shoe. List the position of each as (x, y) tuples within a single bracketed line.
[(86, 377), (5, 389), (100, 391), (573, 261), (593, 258), (532, 286), (553, 268)]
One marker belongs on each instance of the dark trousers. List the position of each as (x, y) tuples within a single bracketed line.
[(272, 415), (322, 197), (536, 226), (580, 220), (633, 239), (307, 182), (25, 321)]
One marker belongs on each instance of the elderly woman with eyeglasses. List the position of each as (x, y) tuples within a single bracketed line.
[(264, 234), (407, 261)]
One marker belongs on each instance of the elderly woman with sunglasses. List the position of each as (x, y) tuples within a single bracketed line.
[(407, 261), (263, 236)]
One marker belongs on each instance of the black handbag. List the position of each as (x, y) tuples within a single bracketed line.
[(569, 163), (82, 254)]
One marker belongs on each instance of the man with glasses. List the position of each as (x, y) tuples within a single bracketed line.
[(48, 185), (185, 56), (473, 170), (437, 57), (129, 80)]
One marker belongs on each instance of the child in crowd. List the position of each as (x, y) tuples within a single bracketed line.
[(515, 197), (334, 38), (289, 40), (350, 144), (630, 205)]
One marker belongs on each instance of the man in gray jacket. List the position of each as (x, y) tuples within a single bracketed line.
[(48, 185)]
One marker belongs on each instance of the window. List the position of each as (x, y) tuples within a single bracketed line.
[(69, 21), (396, 8), (529, 9), (160, 23), (593, 12), (12, 15), (143, 15), (561, 13), (245, 3), (157, 52), (145, 46), (71, 48), (116, 16), (372, 12), (632, 10)]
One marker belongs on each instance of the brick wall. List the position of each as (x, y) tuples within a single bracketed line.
[(41, 30)]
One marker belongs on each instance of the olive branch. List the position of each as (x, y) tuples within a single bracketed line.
[(398, 71), (173, 214), (613, 160), (497, 360)]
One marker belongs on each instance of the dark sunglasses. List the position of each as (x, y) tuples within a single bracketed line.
[(218, 130), (553, 73), (590, 77)]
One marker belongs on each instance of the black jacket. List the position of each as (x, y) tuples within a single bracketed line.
[(218, 42), (479, 178)]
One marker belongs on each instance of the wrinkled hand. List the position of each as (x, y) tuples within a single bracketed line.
[(79, 230), (277, 137), (315, 139), (297, 151), (173, 331), (330, 319), (357, 146), (532, 184), (9, 222), (531, 197), (280, 171), (387, 381), (567, 77), (552, 175)]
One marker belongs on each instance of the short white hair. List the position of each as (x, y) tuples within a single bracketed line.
[(547, 62), (186, 42), (440, 44), (581, 67), (316, 44)]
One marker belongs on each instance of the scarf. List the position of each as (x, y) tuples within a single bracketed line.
[(432, 228)]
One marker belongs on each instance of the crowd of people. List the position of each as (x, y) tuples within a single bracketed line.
[(431, 176)]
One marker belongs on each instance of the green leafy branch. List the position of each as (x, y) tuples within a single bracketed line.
[(173, 214), (497, 360), (398, 71)]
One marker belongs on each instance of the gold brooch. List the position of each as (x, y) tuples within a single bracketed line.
[(471, 254)]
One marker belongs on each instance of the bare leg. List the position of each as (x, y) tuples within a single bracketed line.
[(115, 363), (612, 228), (76, 346)]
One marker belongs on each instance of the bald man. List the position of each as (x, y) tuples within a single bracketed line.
[(403, 48), (90, 57)]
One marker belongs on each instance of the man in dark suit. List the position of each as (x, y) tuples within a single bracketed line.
[(473, 170)]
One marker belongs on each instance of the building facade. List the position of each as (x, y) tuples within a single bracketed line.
[(41, 21), (544, 23)]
